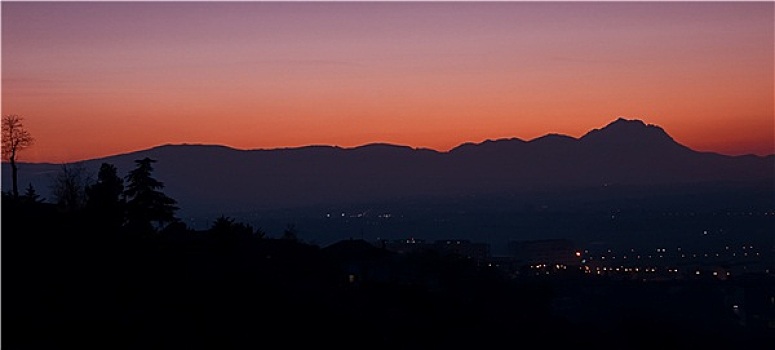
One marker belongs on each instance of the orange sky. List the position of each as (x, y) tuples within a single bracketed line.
[(100, 78)]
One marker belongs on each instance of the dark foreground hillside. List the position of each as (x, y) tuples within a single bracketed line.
[(72, 281)]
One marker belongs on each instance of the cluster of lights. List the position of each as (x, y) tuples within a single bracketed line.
[(600, 270), (545, 266), (358, 215), (748, 251), (608, 256)]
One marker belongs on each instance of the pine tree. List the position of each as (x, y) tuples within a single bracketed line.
[(104, 196), (31, 196), (146, 204)]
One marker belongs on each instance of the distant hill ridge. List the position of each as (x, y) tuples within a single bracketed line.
[(210, 178), (625, 128), (620, 132)]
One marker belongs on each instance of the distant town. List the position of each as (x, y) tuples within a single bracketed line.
[(558, 256)]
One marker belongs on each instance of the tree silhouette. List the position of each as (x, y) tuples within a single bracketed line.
[(145, 203), (259, 232), (69, 187), (290, 233), (30, 195), (15, 139), (104, 196), (222, 226), (226, 227)]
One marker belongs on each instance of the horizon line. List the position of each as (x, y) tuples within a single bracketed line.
[(375, 143), (618, 119)]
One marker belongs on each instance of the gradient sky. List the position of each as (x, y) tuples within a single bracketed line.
[(94, 79)]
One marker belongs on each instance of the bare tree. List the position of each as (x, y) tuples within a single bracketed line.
[(69, 187), (15, 139)]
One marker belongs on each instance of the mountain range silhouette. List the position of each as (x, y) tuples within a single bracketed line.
[(212, 179)]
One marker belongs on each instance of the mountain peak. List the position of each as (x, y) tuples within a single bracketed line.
[(622, 122), (629, 132), (625, 120)]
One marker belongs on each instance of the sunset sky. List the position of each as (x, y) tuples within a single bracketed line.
[(94, 79)]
